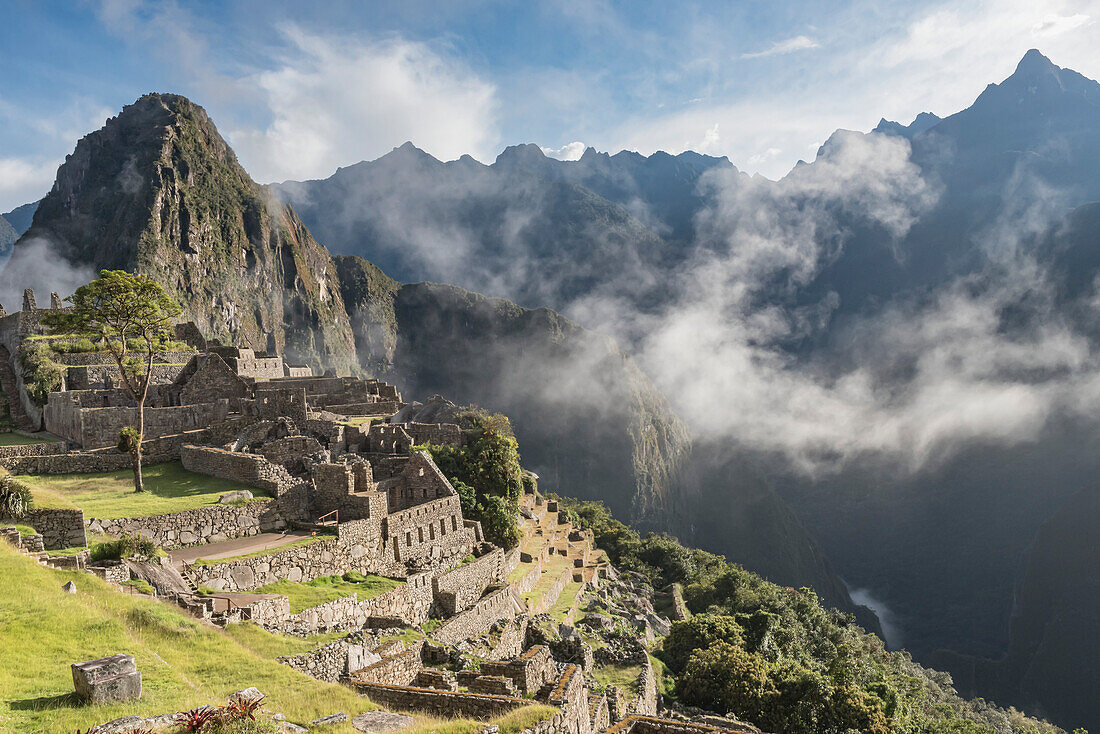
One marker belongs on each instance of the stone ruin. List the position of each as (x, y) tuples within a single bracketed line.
[(334, 457)]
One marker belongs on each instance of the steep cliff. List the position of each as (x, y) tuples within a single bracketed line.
[(157, 190)]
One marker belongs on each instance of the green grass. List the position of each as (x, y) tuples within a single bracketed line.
[(272, 645), (551, 572), (512, 722), (565, 602), (26, 530), (183, 663), (111, 495), (306, 594), (265, 552), (408, 636), (622, 676), (67, 551), (140, 585), (18, 439)]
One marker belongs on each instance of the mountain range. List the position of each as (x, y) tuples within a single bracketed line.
[(938, 276)]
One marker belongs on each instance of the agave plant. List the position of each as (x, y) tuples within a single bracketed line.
[(244, 708), (198, 718)]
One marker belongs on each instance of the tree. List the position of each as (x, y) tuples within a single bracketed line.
[(129, 314)]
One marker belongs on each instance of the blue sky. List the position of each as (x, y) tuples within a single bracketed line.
[(301, 88)]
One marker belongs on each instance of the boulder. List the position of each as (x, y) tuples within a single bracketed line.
[(114, 678), (69, 587), (245, 694), (381, 721), (337, 718), (241, 495)]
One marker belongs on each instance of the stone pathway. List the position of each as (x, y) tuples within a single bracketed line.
[(235, 547)]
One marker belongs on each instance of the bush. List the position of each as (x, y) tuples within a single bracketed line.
[(126, 546), (42, 375), (15, 498), (354, 577), (487, 475)]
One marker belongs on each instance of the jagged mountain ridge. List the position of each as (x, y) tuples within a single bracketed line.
[(594, 224)]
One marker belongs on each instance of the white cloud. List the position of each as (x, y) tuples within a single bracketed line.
[(23, 181), (798, 43), (335, 101), (568, 152)]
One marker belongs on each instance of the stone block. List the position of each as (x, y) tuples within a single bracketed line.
[(240, 495), (114, 678), (381, 721), (331, 719)]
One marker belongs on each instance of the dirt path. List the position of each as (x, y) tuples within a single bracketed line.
[(235, 547)]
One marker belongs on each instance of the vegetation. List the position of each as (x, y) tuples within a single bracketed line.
[(620, 676), (777, 657), (42, 375), (306, 594), (118, 310), (184, 664), (109, 495), (126, 546), (11, 438), (16, 499), (487, 475)]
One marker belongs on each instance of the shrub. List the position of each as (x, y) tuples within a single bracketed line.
[(15, 498), (354, 577), (125, 547), (41, 373)]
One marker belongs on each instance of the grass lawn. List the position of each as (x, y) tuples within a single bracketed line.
[(17, 439), (551, 572), (304, 595), (111, 495), (623, 676), (183, 663), (565, 603), (272, 644)]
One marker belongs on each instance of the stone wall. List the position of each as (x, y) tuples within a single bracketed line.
[(652, 725), (103, 358), (199, 526), (331, 662), (459, 589), (571, 695), (398, 669), (477, 620), (354, 549), (529, 672), (70, 415), (77, 463), (679, 608), (97, 376), (407, 605), (512, 639), (551, 596), (444, 704), (58, 528), (33, 449), (436, 434), (430, 532), (251, 469)]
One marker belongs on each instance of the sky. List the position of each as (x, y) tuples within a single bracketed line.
[(300, 89)]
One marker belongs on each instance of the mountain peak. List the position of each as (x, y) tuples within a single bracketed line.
[(1034, 62), (524, 152)]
